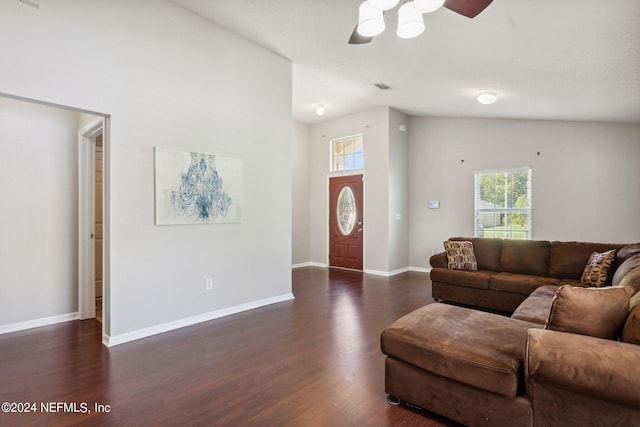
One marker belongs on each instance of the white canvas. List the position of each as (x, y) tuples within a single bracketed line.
[(197, 188)]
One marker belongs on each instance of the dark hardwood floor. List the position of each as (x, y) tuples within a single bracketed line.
[(313, 361)]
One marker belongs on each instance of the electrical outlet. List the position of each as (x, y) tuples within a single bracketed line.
[(208, 284)]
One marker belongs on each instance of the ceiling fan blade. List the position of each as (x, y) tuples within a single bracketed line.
[(468, 8), (356, 38)]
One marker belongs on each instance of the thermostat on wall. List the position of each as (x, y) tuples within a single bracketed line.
[(434, 204)]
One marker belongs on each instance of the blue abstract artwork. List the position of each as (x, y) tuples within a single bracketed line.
[(197, 188)]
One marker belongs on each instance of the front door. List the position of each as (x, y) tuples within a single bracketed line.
[(346, 222)]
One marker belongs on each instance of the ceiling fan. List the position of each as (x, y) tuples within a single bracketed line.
[(410, 22)]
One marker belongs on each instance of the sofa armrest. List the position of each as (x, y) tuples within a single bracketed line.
[(439, 260), (604, 369)]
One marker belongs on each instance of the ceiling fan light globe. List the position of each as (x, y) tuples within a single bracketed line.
[(383, 4), (410, 22), (370, 21), (426, 6)]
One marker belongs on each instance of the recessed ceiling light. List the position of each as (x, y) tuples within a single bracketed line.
[(320, 109), (487, 98)]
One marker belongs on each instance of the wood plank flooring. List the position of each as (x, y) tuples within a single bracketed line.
[(313, 361)]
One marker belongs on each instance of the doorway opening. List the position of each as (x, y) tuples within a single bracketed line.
[(92, 236), (57, 149)]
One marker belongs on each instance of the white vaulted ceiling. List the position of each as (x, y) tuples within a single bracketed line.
[(547, 59)]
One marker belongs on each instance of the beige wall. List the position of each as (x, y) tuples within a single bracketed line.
[(171, 79), (585, 179), (398, 192), (39, 215), (373, 124), (300, 165), (385, 187)]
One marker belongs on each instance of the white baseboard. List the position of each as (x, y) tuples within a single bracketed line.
[(309, 264), (420, 269), (387, 273), (110, 341), (374, 272), (36, 323)]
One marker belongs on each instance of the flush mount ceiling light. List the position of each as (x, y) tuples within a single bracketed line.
[(487, 97), (410, 22), (320, 109)]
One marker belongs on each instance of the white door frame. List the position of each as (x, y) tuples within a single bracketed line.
[(86, 218)]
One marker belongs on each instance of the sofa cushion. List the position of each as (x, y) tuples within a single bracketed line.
[(632, 281), (484, 350), (537, 306), (519, 283), (468, 279), (596, 271), (460, 255), (597, 312), (627, 251), (629, 264), (631, 330), (526, 256), (488, 253), (568, 259)]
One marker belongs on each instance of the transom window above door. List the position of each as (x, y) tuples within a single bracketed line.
[(347, 153)]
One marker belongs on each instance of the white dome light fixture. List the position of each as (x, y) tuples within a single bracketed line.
[(426, 6), (370, 20), (410, 22), (320, 110), (487, 97), (383, 4)]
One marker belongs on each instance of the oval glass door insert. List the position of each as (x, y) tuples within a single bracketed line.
[(346, 211)]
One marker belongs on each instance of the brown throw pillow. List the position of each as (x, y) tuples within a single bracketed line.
[(597, 312), (460, 255), (597, 268)]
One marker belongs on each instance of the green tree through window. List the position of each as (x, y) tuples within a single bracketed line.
[(503, 203)]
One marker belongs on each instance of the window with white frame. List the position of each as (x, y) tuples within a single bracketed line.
[(503, 203), (347, 153)]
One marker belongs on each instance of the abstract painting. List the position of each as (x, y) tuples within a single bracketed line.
[(197, 188)]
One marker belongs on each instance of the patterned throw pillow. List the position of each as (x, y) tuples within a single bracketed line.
[(597, 268), (460, 255)]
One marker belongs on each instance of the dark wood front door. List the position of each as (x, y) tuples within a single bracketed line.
[(346, 222)]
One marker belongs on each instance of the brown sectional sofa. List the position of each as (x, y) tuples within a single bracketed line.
[(483, 368), (509, 270)]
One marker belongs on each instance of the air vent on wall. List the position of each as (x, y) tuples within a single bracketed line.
[(382, 86)]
